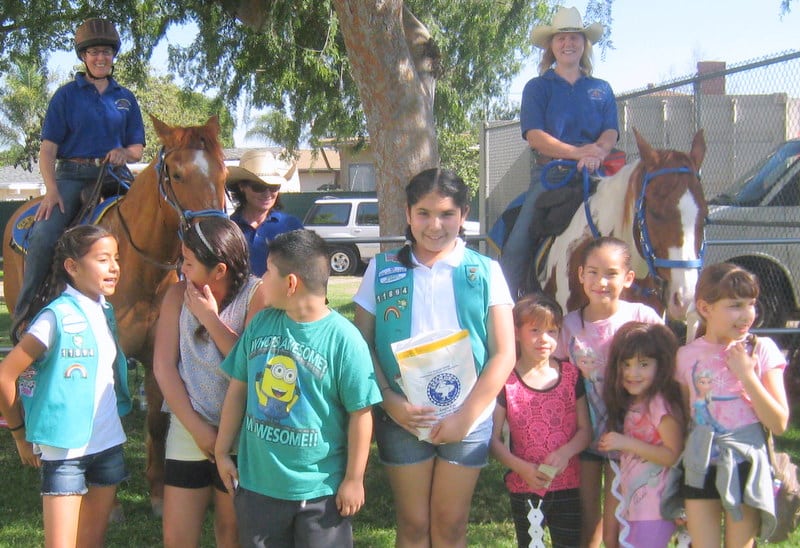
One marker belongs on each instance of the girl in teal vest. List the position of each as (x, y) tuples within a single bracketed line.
[(73, 386), (435, 282)]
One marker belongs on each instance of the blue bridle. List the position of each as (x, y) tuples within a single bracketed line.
[(648, 252)]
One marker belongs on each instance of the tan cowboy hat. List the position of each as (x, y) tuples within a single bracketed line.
[(260, 166), (565, 20)]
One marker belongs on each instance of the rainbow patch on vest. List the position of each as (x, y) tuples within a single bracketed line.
[(68, 374)]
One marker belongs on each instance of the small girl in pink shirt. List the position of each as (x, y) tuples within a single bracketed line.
[(544, 404), (643, 401)]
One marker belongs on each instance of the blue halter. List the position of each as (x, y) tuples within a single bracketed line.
[(648, 252)]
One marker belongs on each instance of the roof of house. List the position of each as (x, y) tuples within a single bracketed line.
[(10, 175), (324, 160)]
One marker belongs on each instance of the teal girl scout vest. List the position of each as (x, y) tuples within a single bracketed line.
[(57, 391), (394, 285)]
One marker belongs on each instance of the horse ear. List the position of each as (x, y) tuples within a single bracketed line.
[(161, 128), (213, 123), (698, 152), (646, 152)]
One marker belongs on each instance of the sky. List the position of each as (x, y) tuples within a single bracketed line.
[(654, 41)]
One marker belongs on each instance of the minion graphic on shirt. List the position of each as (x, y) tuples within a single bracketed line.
[(276, 388)]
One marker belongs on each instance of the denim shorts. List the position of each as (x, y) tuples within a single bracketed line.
[(397, 447), (74, 476)]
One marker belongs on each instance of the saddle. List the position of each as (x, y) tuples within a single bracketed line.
[(96, 200), (19, 233)]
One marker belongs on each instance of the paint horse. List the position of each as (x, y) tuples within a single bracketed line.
[(657, 206), (185, 180)]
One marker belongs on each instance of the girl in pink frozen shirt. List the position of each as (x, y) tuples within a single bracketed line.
[(604, 272), (733, 386)]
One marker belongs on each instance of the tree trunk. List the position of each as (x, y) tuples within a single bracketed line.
[(396, 90)]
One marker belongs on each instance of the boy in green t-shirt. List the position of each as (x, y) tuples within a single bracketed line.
[(302, 386)]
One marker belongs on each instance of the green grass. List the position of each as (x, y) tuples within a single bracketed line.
[(20, 504)]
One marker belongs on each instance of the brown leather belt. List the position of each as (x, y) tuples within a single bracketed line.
[(85, 161)]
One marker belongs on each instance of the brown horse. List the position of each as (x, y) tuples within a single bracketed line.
[(187, 176), (657, 206)]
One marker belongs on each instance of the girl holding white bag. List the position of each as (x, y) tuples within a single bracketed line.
[(433, 283)]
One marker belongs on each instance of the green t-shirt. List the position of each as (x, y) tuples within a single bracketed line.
[(303, 380)]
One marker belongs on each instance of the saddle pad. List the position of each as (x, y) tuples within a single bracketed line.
[(19, 234)]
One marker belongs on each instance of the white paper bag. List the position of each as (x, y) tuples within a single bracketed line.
[(437, 369)]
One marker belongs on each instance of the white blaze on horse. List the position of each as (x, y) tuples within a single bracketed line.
[(657, 206)]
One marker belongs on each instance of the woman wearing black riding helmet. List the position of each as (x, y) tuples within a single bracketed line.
[(89, 120)]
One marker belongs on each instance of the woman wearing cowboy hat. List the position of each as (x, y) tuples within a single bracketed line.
[(255, 185), (89, 120), (565, 114)]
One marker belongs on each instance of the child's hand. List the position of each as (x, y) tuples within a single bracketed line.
[(200, 302), (410, 417), (534, 478), (205, 436), (739, 361), (557, 459), (612, 441), (451, 429), (26, 454), (350, 496), (228, 473)]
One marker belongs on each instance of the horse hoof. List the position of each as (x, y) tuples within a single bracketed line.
[(157, 505), (117, 514)]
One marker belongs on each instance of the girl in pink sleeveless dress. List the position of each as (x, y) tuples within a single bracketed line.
[(545, 407)]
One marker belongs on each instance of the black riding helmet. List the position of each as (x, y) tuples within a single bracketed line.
[(96, 32)]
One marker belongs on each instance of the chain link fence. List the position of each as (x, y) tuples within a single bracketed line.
[(748, 112)]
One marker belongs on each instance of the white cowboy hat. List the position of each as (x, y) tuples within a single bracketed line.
[(260, 166), (565, 20)]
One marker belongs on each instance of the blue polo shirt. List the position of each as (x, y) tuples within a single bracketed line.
[(258, 239), (575, 114), (87, 124)]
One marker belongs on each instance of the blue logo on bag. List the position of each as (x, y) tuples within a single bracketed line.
[(443, 389)]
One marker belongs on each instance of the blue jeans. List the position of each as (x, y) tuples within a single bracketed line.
[(397, 447), (75, 476), (71, 179), (517, 251)]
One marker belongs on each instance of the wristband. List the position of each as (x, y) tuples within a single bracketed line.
[(19, 427), (385, 388)]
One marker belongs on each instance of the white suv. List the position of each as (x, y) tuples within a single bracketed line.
[(346, 218), (332, 217)]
